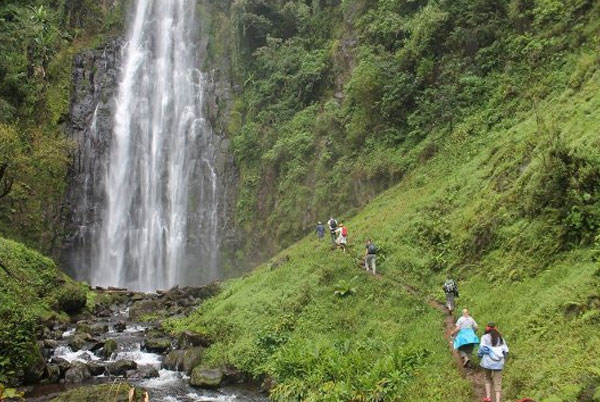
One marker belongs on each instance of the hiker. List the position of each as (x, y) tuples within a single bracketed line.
[(465, 339), (342, 237), (333, 225), (320, 231), (370, 256), (493, 352), (451, 290)]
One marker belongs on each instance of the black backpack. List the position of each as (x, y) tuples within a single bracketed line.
[(450, 287), (333, 224), (372, 249)]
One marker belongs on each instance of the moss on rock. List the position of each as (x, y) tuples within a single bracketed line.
[(107, 392)]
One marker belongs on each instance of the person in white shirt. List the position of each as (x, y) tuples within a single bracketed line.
[(465, 339)]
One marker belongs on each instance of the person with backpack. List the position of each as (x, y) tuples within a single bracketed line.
[(493, 352), (342, 237), (451, 291), (465, 339), (333, 225), (370, 256), (320, 231)]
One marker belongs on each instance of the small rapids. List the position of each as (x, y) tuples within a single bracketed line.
[(128, 337)]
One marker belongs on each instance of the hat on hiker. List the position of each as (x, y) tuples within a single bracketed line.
[(490, 325)]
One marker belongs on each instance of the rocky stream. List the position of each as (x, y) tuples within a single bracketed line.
[(120, 342)]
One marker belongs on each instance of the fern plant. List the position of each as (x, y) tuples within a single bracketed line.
[(345, 288)]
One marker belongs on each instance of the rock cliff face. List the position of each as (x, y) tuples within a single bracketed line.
[(219, 100), (95, 82)]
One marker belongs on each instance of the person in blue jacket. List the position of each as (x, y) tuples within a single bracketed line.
[(464, 335), (320, 231), (493, 352)]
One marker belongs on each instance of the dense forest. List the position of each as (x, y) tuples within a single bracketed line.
[(460, 135), (38, 40), (339, 100)]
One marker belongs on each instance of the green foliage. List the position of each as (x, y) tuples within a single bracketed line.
[(37, 43), (71, 298), (339, 102), (509, 209), (10, 393), (345, 288), (32, 289)]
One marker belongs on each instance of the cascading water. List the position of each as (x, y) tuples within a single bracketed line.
[(160, 217)]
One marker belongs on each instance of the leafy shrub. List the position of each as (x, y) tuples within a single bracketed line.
[(71, 298), (566, 186), (345, 288)]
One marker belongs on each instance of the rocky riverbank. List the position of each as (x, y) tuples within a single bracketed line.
[(119, 340)]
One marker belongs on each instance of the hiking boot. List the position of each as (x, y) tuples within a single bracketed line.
[(466, 362)]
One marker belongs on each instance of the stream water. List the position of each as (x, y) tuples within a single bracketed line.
[(168, 386)]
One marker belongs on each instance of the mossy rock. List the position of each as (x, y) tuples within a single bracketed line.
[(71, 298), (204, 377), (105, 392), (192, 357), (174, 360), (110, 346), (157, 345)]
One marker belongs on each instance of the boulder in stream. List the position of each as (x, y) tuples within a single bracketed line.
[(110, 346), (143, 373), (142, 308), (99, 329), (53, 373), (50, 344), (79, 340), (78, 373), (96, 368), (174, 360), (119, 392), (188, 339), (204, 377), (120, 326), (121, 367), (83, 328), (62, 364), (192, 357), (36, 370), (157, 345)]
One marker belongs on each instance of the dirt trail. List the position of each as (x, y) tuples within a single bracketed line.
[(474, 375)]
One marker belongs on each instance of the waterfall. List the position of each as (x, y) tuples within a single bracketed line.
[(159, 218)]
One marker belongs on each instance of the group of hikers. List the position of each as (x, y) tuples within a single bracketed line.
[(339, 238), (493, 350)]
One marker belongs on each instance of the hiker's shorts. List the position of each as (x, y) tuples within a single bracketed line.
[(494, 377), (370, 262)]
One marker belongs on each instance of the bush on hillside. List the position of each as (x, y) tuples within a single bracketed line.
[(71, 298), (17, 341), (565, 185)]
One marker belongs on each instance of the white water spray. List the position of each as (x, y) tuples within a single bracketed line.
[(160, 219)]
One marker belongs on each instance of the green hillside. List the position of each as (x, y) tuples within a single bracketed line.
[(511, 211), (339, 100), (32, 292)]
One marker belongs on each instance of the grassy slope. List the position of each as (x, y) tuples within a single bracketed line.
[(465, 209), (36, 291), (284, 320)]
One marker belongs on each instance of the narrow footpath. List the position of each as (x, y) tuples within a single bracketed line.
[(473, 375)]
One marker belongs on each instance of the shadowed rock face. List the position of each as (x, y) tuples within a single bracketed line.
[(94, 81)]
